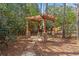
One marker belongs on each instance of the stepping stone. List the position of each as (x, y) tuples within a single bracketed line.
[(29, 53)]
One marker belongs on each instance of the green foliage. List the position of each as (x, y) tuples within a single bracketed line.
[(59, 12), (33, 8), (12, 18), (70, 18), (70, 28), (49, 24)]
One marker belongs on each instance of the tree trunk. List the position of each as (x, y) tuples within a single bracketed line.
[(78, 20), (63, 25)]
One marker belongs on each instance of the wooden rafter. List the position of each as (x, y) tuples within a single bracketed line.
[(39, 17)]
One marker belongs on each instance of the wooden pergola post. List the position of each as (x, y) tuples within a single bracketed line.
[(27, 29), (44, 24), (53, 31), (38, 28)]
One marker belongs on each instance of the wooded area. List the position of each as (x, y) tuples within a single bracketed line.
[(39, 29)]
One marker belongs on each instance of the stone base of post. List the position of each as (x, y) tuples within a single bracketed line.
[(28, 35), (38, 34), (45, 37)]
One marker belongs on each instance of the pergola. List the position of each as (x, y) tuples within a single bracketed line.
[(39, 18), (42, 17)]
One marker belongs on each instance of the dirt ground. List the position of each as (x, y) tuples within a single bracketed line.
[(35, 47)]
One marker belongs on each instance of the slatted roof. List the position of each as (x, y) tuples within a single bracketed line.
[(39, 17)]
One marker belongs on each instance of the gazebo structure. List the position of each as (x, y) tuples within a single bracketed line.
[(43, 17), (39, 18)]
